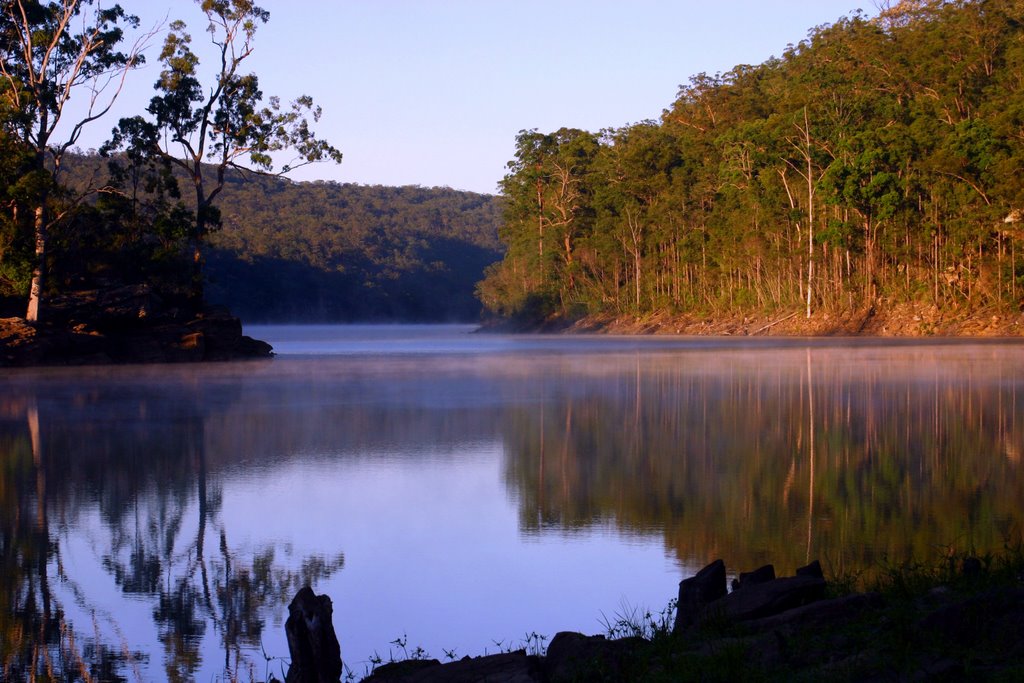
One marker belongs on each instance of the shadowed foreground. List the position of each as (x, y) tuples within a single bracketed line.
[(967, 624)]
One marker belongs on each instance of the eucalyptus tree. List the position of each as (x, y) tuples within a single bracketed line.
[(206, 129), (546, 209), (568, 155), (636, 172), (50, 51)]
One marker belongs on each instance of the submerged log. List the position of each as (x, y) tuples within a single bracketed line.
[(312, 642)]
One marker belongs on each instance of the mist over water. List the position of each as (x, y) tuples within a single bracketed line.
[(465, 490)]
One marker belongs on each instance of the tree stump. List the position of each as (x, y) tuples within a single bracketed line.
[(312, 643)]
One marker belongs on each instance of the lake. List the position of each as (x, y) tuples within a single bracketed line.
[(468, 493)]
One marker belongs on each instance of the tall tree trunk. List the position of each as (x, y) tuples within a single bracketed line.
[(198, 237), (35, 293), (39, 224), (810, 212), (540, 230)]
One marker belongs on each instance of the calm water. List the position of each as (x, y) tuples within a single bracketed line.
[(460, 491)]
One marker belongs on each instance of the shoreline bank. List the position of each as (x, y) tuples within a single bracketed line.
[(898, 321)]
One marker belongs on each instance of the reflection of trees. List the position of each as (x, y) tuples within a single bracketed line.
[(141, 462), (752, 465), (35, 639)]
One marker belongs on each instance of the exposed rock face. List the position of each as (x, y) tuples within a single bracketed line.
[(312, 642), (23, 344), (127, 324)]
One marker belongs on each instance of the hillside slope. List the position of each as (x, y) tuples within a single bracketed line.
[(332, 252)]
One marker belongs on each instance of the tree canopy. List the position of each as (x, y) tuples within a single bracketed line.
[(206, 130), (874, 163)]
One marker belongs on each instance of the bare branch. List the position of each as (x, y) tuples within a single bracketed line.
[(973, 186)]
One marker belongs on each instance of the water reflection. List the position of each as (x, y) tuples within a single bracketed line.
[(124, 472), (155, 522), (851, 458)]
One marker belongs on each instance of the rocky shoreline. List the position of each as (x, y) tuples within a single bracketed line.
[(127, 324), (800, 627), (883, 320)]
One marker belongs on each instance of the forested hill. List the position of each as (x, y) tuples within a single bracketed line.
[(323, 251), (330, 252), (873, 166)]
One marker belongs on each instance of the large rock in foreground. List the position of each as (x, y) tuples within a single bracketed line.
[(758, 594)]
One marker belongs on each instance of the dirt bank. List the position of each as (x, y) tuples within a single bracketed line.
[(903, 320)]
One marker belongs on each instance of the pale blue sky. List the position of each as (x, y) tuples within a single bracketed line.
[(433, 92)]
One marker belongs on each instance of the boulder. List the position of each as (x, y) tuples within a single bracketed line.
[(697, 592), (401, 671), (812, 569), (994, 615), (222, 337), (312, 642), (820, 614), (971, 567), (760, 575), (761, 600), (576, 657), (247, 347)]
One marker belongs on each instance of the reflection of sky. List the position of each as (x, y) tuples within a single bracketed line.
[(433, 550)]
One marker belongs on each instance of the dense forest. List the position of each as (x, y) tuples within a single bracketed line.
[(873, 165), (329, 252)]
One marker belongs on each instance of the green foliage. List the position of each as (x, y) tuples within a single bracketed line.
[(50, 51), (15, 232), (298, 252), (325, 251), (865, 164), (206, 128)]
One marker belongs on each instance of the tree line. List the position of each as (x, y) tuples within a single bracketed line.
[(873, 164)]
